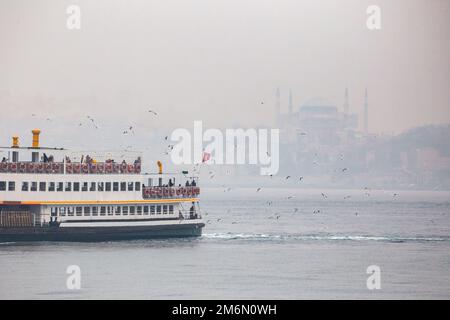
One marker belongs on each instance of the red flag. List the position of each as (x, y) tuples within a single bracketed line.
[(206, 156)]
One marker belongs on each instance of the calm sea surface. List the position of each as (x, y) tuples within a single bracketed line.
[(271, 244)]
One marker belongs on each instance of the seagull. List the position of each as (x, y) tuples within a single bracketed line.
[(290, 197), (301, 178), (356, 213), (153, 112), (324, 195), (344, 169), (296, 210), (288, 177), (258, 190), (316, 211)]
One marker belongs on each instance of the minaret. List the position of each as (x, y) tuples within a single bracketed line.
[(290, 102), (346, 101), (366, 111), (277, 102)]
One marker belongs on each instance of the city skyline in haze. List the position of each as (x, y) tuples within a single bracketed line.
[(221, 62)]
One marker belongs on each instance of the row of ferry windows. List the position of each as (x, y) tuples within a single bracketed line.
[(71, 186), (112, 210)]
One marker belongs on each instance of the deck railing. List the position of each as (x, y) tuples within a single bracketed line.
[(170, 192), (70, 168)]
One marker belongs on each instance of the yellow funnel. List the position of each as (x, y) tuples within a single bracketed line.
[(35, 133), (160, 166), (15, 142)]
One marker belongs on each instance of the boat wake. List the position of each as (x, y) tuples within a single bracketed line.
[(320, 237)]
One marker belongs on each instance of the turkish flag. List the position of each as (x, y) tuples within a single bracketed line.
[(206, 156)]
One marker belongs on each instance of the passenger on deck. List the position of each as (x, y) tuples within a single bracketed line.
[(187, 184), (171, 183), (4, 159), (192, 214), (193, 183)]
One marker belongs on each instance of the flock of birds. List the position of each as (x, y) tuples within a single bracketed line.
[(277, 215)]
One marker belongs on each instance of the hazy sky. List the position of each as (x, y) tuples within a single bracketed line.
[(217, 61)]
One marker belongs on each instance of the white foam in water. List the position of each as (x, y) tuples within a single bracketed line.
[(288, 237)]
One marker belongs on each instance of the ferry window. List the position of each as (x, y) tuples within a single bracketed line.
[(139, 210), (53, 211), (59, 187), (62, 211), (34, 186), (24, 186), (115, 186), (110, 211), (79, 211), (137, 186), (2, 185), (164, 209), (171, 209), (158, 209), (70, 211), (108, 186), (51, 186), (93, 184), (132, 210), (84, 187), (130, 186), (42, 186), (11, 186), (76, 186), (117, 210), (102, 211), (68, 186), (123, 186), (146, 210), (125, 210), (100, 186), (87, 211), (152, 209), (95, 211)]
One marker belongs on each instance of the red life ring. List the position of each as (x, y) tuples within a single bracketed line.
[(116, 168), (159, 192), (109, 168), (123, 168), (40, 167), (22, 167), (85, 168), (4, 166), (146, 192), (13, 167), (69, 168), (93, 168), (137, 168), (76, 168), (178, 192), (130, 168), (56, 167), (48, 167), (101, 168), (30, 167)]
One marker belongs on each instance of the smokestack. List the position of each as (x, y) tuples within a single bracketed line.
[(15, 142), (290, 101), (346, 107), (36, 133)]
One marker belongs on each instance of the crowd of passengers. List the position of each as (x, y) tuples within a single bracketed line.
[(171, 183), (87, 159)]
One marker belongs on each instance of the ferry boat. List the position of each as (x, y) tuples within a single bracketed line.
[(52, 194)]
